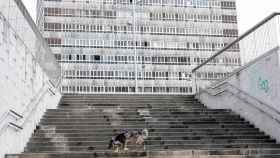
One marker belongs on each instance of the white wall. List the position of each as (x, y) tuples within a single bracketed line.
[(262, 79), (254, 94), (13, 140), (26, 84)]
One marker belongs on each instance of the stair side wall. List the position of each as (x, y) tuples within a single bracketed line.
[(251, 98)]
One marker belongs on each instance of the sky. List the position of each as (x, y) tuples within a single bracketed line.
[(249, 12)]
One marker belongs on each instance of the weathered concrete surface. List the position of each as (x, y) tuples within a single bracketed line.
[(179, 127), (27, 77), (253, 93)]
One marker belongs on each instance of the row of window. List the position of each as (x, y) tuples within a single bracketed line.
[(193, 17), (158, 30), (228, 5), (167, 60), (65, 12), (175, 3), (211, 75), (130, 75), (125, 75), (129, 44), (117, 89)]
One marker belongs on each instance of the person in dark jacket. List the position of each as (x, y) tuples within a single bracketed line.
[(119, 142)]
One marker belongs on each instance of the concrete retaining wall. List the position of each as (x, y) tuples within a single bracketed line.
[(253, 92), (28, 77)]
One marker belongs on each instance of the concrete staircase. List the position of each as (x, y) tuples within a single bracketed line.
[(179, 126)]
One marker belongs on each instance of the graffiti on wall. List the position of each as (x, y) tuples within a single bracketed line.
[(263, 85), (263, 78)]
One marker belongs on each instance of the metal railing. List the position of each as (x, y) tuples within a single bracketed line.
[(26, 40), (28, 111), (250, 100), (257, 41)]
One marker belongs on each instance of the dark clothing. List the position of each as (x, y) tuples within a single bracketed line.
[(119, 139)]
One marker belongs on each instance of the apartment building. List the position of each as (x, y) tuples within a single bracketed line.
[(138, 46)]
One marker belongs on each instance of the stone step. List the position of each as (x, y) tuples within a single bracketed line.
[(211, 146), (207, 141), (148, 142), (179, 110), (125, 98), (90, 125), (155, 125), (135, 113), (129, 98), (94, 108), (198, 135), (110, 114), (237, 153), (112, 96), (132, 107), (153, 113), (112, 129), (111, 103), (185, 117), (150, 122), (45, 138), (155, 147), (80, 155), (139, 119), (142, 123), (126, 103)]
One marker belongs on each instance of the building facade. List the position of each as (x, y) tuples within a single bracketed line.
[(138, 46)]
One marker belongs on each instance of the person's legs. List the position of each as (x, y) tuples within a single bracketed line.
[(125, 144), (117, 146), (140, 140)]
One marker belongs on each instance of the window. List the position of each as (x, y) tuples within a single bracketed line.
[(53, 41), (97, 57)]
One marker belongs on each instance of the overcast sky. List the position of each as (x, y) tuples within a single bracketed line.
[(250, 12)]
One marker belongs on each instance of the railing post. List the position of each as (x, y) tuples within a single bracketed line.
[(194, 83)]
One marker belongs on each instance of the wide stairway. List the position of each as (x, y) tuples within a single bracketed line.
[(179, 127)]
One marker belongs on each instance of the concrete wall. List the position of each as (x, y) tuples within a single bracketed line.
[(252, 92), (261, 79), (13, 140), (27, 85)]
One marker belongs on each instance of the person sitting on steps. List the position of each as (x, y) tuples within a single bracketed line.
[(118, 143)]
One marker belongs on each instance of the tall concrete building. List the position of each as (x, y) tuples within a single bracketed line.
[(138, 46)]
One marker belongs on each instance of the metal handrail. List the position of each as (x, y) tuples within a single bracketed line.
[(39, 36), (41, 96), (237, 40), (16, 114), (6, 115), (36, 104), (26, 116), (252, 97), (256, 99), (239, 70)]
